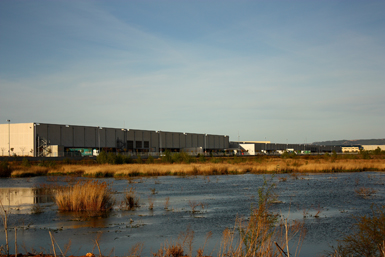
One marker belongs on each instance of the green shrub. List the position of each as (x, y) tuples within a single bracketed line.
[(176, 157), (365, 154), (119, 159), (102, 157), (167, 158), (215, 160), (111, 158), (25, 162), (67, 161), (377, 151), (139, 159), (181, 157), (127, 159), (47, 164), (236, 159), (285, 155), (150, 159), (5, 170)]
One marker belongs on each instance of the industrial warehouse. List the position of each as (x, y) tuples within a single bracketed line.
[(55, 140)]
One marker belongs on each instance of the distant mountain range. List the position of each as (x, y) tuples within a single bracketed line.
[(353, 142)]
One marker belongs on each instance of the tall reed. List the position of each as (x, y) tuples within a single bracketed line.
[(262, 235), (90, 195)]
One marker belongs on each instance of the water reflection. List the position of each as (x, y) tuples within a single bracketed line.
[(82, 220), (24, 196)]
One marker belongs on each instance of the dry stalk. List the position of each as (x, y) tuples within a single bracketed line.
[(53, 241), (150, 203), (15, 241), (4, 217), (53, 244), (167, 203), (97, 243), (193, 205)]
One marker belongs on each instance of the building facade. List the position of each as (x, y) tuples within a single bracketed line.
[(42, 139)]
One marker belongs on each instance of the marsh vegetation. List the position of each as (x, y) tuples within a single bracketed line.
[(181, 164)]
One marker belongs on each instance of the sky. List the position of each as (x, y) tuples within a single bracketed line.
[(282, 71)]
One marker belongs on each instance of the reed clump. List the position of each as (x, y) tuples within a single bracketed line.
[(365, 192), (90, 195), (177, 248), (130, 201)]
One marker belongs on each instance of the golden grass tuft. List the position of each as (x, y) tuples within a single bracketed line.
[(90, 195)]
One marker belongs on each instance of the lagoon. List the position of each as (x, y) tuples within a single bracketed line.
[(219, 201)]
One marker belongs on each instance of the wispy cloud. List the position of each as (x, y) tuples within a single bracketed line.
[(265, 69)]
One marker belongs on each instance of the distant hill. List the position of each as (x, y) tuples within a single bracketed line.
[(353, 142)]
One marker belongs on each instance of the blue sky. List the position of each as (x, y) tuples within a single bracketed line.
[(291, 71)]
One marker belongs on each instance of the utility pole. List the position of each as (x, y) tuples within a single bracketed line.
[(9, 138)]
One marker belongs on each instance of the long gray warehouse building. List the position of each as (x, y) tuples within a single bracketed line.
[(42, 139)]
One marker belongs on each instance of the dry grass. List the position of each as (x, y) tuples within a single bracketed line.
[(304, 166), (30, 171), (274, 165), (298, 165), (92, 196)]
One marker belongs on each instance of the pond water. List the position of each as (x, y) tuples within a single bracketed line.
[(221, 199)]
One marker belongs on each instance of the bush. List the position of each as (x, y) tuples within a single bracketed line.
[(111, 158), (127, 159), (5, 170), (181, 157), (365, 154), (286, 155), (139, 159), (47, 164), (150, 159), (25, 163), (167, 158), (368, 236), (119, 159), (66, 161), (102, 157), (377, 151)]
